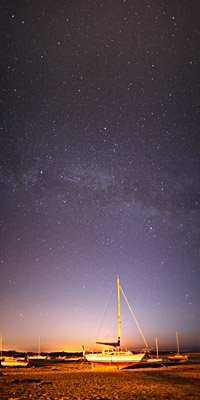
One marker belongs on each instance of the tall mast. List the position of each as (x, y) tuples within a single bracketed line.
[(38, 345), (118, 297), (157, 347), (177, 343), (1, 346)]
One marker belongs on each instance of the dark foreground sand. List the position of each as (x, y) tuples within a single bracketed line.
[(77, 381)]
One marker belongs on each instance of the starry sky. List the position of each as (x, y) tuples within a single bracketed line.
[(99, 172)]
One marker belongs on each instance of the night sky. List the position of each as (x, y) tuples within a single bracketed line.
[(100, 175)]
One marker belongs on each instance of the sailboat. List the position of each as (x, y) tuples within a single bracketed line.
[(155, 359), (12, 361), (113, 357), (178, 356), (38, 356)]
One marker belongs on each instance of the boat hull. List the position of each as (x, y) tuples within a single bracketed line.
[(102, 362), (178, 358), (37, 357), (14, 363)]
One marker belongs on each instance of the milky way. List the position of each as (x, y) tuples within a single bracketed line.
[(99, 169)]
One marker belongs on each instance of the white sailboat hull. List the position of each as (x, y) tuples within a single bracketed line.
[(13, 362), (118, 360)]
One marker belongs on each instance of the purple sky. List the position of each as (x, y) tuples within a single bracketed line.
[(99, 172)]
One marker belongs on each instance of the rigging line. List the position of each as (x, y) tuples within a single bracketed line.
[(134, 317), (106, 308)]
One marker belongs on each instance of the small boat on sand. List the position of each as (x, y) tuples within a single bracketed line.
[(155, 359), (38, 356), (14, 362), (113, 358), (178, 356)]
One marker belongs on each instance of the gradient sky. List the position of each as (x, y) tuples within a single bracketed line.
[(99, 172)]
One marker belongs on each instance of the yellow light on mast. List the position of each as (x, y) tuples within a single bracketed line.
[(118, 296)]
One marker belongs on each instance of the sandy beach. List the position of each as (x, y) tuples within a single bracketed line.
[(78, 381)]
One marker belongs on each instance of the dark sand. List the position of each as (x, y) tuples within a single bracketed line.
[(78, 381)]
